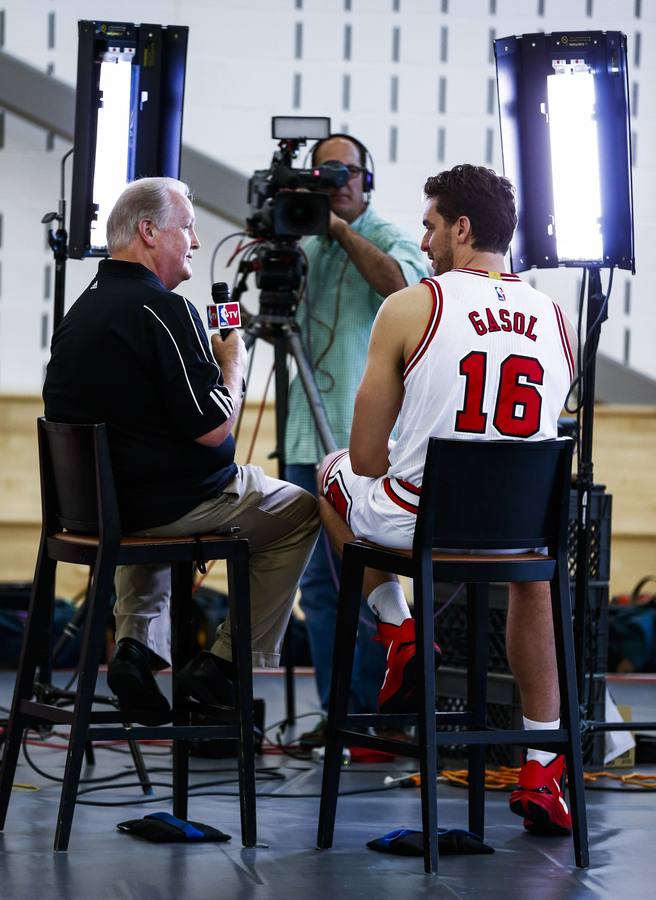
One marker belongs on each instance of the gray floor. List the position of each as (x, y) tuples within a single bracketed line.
[(103, 864)]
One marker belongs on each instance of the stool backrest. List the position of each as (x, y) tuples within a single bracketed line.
[(77, 484), (495, 495)]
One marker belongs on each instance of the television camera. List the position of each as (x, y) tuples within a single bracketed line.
[(277, 210), (280, 213)]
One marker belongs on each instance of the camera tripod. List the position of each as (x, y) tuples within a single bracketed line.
[(284, 334), (280, 270)]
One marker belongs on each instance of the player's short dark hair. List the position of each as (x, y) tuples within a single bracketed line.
[(487, 199)]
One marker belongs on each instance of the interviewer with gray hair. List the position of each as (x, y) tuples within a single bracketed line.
[(133, 354), (147, 198)]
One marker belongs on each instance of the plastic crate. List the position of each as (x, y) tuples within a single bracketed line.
[(601, 505), (451, 627), (504, 711)]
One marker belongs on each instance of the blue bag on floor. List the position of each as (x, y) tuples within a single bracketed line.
[(163, 828), (12, 626), (632, 637), (410, 842)]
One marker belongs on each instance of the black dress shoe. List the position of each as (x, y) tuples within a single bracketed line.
[(129, 677), (204, 679)]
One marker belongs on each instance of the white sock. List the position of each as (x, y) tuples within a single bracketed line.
[(544, 757), (388, 603)]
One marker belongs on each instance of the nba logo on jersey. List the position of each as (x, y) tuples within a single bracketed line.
[(500, 293)]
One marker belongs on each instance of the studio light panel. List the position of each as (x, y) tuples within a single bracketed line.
[(564, 113)]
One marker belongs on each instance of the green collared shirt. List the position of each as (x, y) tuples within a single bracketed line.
[(335, 318)]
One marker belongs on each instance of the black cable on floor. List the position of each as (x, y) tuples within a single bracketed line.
[(59, 780), (284, 721), (193, 791), (286, 749), (621, 789), (234, 795)]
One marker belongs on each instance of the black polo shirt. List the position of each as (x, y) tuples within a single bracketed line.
[(136, 356)]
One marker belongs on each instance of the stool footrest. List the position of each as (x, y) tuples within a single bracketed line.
[(44, 712), (163, 732), (357, 739), (552, 740), (367, 720)]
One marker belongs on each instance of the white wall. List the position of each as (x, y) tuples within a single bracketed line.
[(242, 68)]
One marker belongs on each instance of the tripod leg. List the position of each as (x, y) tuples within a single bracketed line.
[(282, 389), (251, 332), (328, 442), (285, 339), (317, 409), (290, 693), (140, 766)]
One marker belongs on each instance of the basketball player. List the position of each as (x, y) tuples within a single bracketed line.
[(473, 353)]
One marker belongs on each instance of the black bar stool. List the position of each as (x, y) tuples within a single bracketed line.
[(476, 495), (81, 525)]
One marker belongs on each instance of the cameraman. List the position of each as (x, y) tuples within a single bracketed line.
[(135, 355), (361, 260)]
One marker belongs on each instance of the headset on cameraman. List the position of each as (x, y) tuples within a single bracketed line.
[(366, 159)]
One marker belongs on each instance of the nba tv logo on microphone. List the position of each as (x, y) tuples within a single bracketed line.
[(224, 315)]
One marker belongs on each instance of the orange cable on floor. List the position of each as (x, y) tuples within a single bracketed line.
[(505, 777)]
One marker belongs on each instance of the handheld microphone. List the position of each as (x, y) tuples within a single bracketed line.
[(223, 314)]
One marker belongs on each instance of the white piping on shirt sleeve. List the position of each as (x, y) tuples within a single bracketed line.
[(224, 403), (207, 355), (191, 390)]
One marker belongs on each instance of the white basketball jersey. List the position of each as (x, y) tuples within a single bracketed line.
[(494, 363)]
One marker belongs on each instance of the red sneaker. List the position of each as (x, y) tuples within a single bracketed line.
[(539, 798), (399, 691)]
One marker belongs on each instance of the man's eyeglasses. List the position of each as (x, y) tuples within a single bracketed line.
[(353, 171)]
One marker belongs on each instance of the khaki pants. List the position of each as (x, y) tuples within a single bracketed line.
[(281, 522)]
